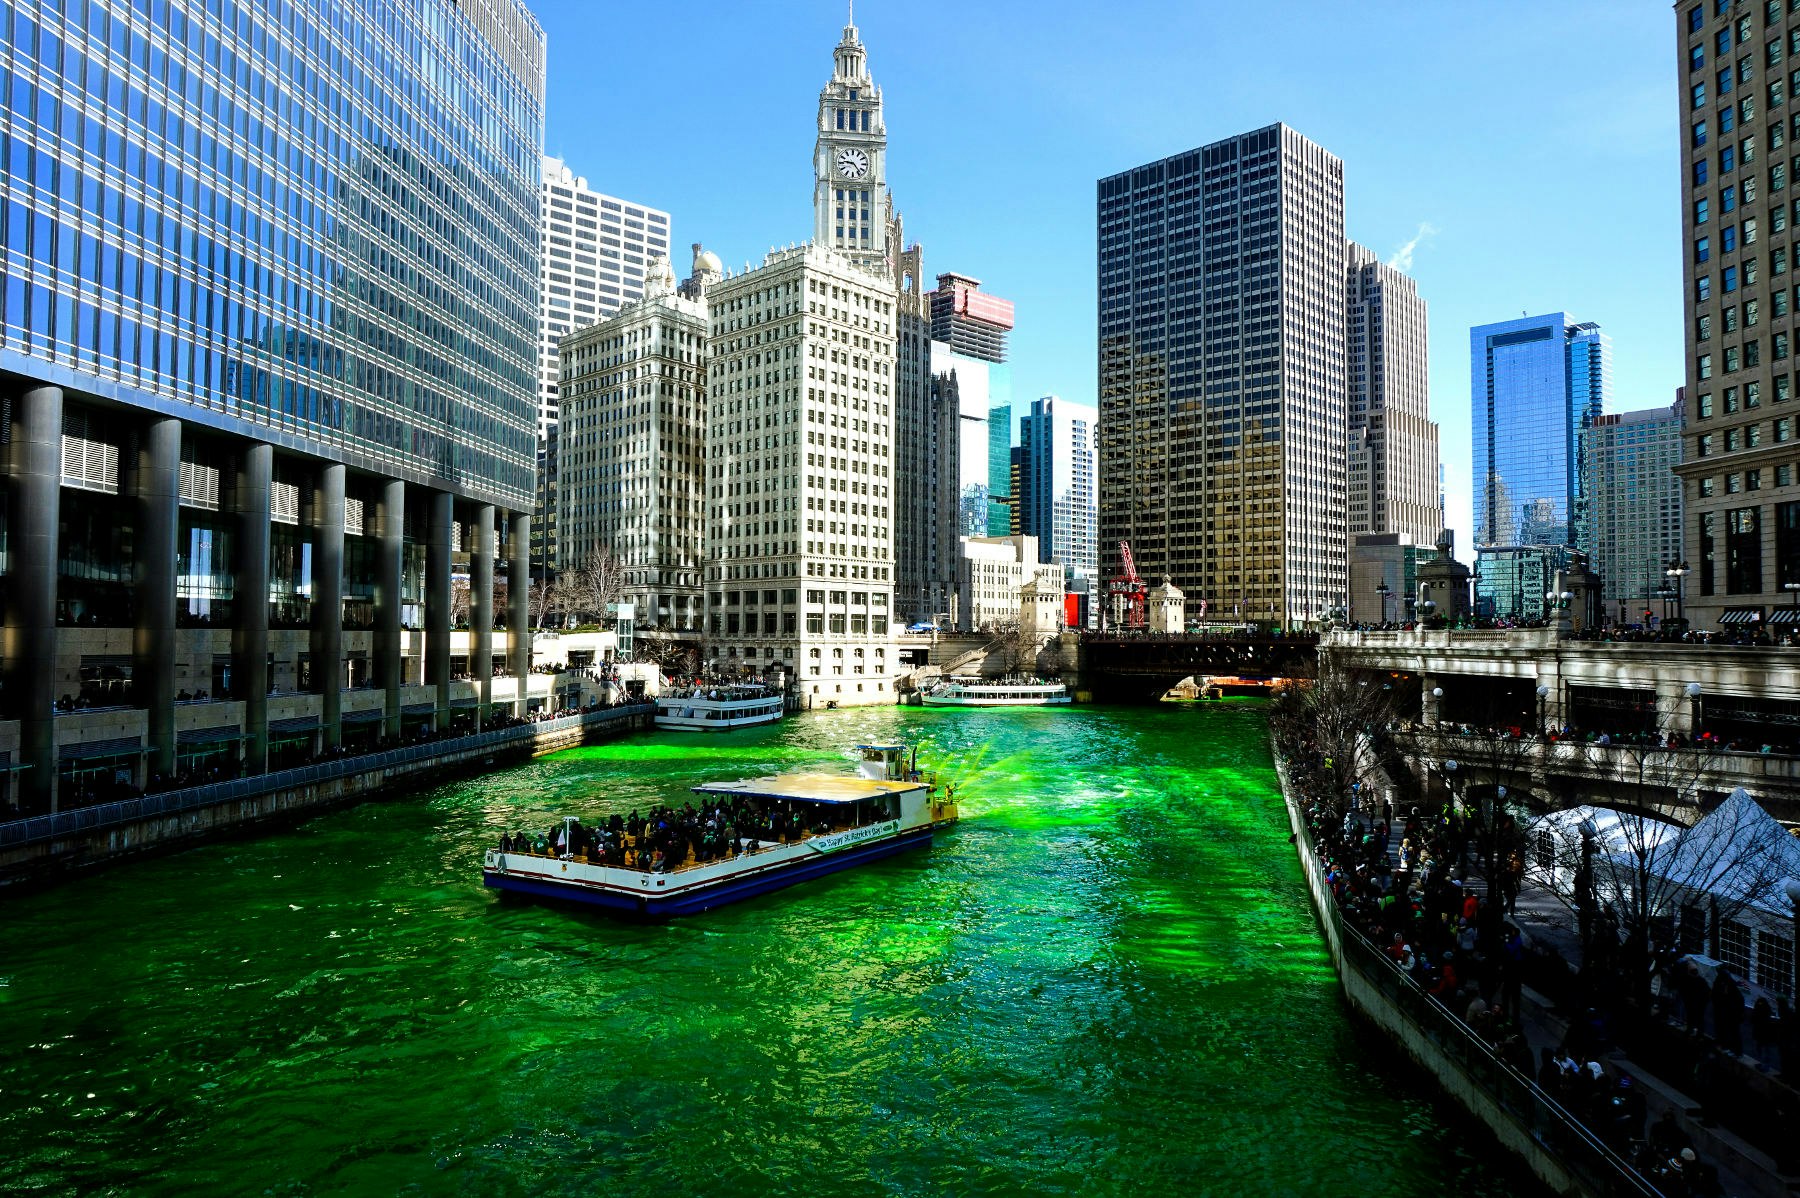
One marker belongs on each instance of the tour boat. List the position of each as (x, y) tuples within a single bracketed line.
[(995, 692), (718, 708), (884, 809)]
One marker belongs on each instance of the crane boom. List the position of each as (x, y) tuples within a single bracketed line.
[(1131, 574)]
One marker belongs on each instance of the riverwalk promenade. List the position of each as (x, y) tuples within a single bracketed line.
[(1546, 1079), (42, 848)]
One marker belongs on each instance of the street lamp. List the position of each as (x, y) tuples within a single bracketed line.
[(1382, 589), (1543, 692), (1437, 698), (1693, 694), (1585, 896), (1675, 572), (1793, 588)]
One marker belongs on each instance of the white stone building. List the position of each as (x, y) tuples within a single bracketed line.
[(799, 474), (633, 439), (990, 575)]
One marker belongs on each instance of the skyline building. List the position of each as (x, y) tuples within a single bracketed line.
[(1534, 381), (1629, 524), (592, 254), (1057, 501), (632, 440), (1221, 288), (1392, 481), (799, 453), (245, 458), (1740, 498)]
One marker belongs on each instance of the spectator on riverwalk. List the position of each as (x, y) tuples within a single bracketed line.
[(1728, 1012)]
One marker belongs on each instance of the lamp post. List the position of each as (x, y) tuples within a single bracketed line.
[(1693, 693), (1543, 693), (1382, 589), (1676, 571), (1450, 782), (1437, 699), (1793, 588)]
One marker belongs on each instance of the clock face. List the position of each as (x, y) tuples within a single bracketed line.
[(852, 163)]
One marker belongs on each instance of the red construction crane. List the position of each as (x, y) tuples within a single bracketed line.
[(1130, 597)]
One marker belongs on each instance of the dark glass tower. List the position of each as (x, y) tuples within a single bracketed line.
[(1222, 386)]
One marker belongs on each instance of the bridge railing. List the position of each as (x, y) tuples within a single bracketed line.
[(1202, 637)]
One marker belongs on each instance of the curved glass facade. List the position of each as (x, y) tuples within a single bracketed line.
[(310, 219)]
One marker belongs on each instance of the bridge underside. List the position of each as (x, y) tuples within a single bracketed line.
[(1143, 669)]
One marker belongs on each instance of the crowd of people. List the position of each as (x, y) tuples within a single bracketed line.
[(669, 838), (1421, 908)]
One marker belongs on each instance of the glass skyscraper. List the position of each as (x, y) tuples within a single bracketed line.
[(1534, 382), (1058, 499), (268, 326)]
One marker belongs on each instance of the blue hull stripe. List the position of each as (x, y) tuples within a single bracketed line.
[(717, 894)]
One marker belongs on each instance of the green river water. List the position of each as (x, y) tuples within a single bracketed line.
[(1106, 980)]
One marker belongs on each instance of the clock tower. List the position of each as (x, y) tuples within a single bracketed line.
[(850, 195)]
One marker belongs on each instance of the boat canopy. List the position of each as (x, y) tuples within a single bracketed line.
[(810, 788)]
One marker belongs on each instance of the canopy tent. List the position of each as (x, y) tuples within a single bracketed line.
[(1737, 852)]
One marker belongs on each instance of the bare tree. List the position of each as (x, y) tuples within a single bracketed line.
[(596, 583), (461, 601), (545, 597), (1342, 715), (1016, 644)]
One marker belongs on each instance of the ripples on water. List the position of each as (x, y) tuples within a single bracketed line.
[(1105, 981)]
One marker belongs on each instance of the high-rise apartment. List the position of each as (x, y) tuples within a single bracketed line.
[(268, 325), (1222, 276), (1742, 503), (593, 253), (632, 443), (800, 569), (1057, 501), (1629, 523), (1534, 381), (1393, 447)]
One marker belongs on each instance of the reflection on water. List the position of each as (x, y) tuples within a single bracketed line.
[(1106, 980)]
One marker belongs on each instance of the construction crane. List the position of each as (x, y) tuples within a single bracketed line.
[(1130, 597)]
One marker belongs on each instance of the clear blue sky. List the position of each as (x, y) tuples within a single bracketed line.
[(1536, 142)]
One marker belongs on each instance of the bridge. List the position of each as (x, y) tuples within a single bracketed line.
[(1142, 667)]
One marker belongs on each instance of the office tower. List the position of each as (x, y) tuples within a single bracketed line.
[(632, 440), (800, 569), (1057, 502), (1629, 524), (1222, 389), (593, 250), (1393, 461), (265, 401), (1742, 504), (1534, 381)]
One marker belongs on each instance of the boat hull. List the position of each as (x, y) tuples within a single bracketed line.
[(692, 900), (687, 724), (959, 701)]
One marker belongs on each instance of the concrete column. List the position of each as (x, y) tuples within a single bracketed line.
[(36, 490), (388, 635), (481, 610), (153, 578), (327, 642), (518, 602), (250, 640), (437, 603)]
